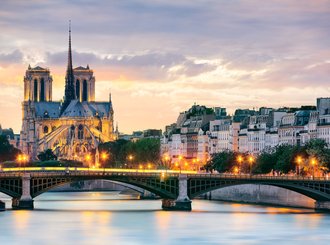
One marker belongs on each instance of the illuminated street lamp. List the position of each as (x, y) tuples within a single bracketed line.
[(236, 170), (299, 160), (166, 159), (251, 160), (149, 166), (88, 158), (313, 163), (239, 160), (130, 158), (104, 156)]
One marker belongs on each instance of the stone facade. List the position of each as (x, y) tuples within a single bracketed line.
[(72, 129)]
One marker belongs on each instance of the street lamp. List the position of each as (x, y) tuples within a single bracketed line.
[(251, 159), (130, 158), (313, 162), (88, 158), (299, 161), (104, 157), (239, 160)]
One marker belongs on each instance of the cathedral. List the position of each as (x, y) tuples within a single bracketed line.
[(71, 128)]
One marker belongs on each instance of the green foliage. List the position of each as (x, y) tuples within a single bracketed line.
[(7, 151), (222, 162), (282, 158), (47, 155), (142, 151)]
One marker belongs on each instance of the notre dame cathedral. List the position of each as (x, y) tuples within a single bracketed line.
[(73, 127)]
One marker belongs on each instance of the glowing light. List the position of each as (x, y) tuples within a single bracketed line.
[(88, 157), (104, 156)]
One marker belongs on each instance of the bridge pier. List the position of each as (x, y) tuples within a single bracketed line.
[(182, 203), (147, 195), (2, 206), (25, 201), (322, 206)]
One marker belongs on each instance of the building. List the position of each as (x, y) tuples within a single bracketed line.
[(71, 128), (186, 138)]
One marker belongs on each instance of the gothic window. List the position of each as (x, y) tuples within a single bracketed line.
[(45, 130), (42, 89), (72, 131), (35, 88), (80, 132), (78, 89), (85, 92), (99, 126)]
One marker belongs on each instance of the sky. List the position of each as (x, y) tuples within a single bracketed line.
[(159, 57)]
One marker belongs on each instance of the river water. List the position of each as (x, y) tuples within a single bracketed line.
[(111, 218)]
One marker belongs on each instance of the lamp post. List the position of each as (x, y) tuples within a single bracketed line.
[(251, 159), (299, 161), (104, 157), (313, 162), (88, 158), (239, 160), (130, 159)]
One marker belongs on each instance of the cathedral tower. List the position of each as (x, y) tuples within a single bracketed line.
[(37, 84), (84, 84)]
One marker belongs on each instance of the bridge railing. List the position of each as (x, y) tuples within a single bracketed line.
[(259, 177)]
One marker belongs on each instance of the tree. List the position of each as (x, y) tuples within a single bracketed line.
[(47, 155), (222, 161), (142, 151), (7, 151)]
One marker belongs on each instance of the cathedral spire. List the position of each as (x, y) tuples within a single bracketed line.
[(69, 78)]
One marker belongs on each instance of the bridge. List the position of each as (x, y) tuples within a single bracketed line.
[(176, 188)]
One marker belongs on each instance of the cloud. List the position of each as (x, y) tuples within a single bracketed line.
[(166, 55), (14, 57)]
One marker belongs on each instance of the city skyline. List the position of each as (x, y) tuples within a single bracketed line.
[(233, 55)]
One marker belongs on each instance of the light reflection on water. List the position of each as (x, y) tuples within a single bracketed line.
[(110, 218)]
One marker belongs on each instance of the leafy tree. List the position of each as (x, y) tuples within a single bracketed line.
[(142, 151), (7, 151), (265, 163), (47, 155), (222, 161)]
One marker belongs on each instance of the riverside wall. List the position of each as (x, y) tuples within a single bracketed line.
[(261, 194)]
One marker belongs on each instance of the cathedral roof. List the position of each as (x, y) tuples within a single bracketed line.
[(38, 68), (87, 109), (47, 109), (81, 68)]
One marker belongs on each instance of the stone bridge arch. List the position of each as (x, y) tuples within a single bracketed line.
[(11, 186), (319, 191), (165, 189)]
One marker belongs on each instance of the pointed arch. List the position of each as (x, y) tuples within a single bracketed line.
[(85, 91), (77, 89), (42, 90), (35, 90)]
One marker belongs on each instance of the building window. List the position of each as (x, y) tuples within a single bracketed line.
[(42, 89), (35, 89), (72, 131), (78, 89), (80, 132), (46, 130), (85, 92)]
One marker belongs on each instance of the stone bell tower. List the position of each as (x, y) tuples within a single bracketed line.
[(37, 84)]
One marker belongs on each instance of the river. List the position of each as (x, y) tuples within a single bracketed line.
[(111, 218)]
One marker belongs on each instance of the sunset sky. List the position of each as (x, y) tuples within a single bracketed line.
[(160, 57)]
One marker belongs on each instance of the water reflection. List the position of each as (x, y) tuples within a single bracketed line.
[(104, 218)]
